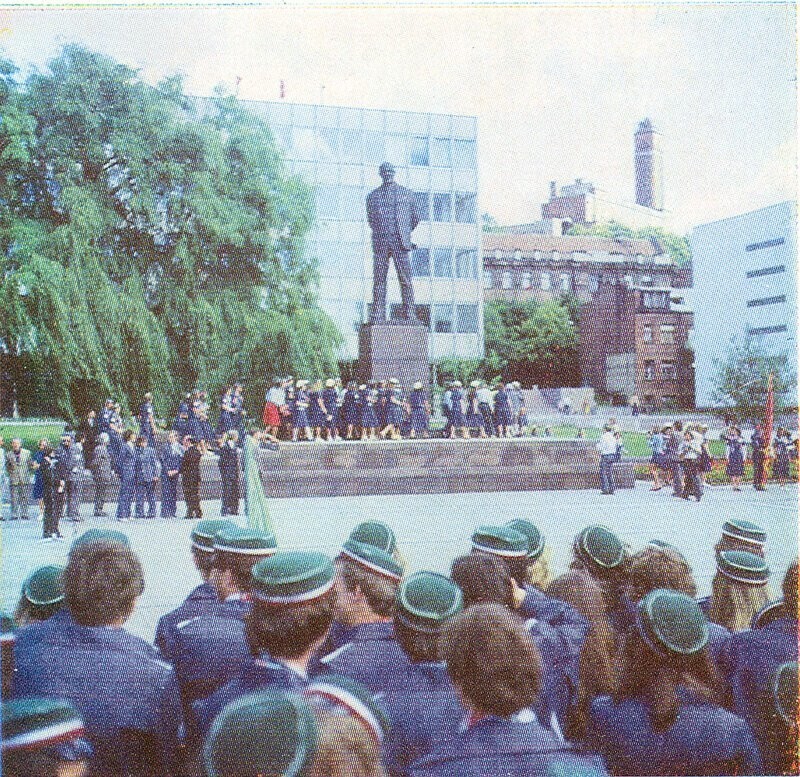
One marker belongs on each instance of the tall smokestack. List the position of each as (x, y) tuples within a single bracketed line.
[(649, 166)]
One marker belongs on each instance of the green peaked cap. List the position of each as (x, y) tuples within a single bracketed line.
[(747, 531), (425, 600), (101, 535), (45, 586), (202, 536), (244, 542), (598, 546), (500, 541), (743, 567), (375, 533), (372, 559), (672, 623), (292, 577), (535, 539)]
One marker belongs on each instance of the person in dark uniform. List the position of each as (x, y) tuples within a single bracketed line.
[(758, 447), (781, 469), (127, 696), (127, 476), (300, 416), (105, 417), (419, 411), (457, 410), (496, 668), (734, 469), (147, 420), (369, 416), (330, 402), (350, 411), (51, 516), (202, 598), (229, 473), (148, 471), (316, 410), (382, 403), (395, 415), (171, 457), (665, 716), (293, 601), (190, 479), (780, 719), (503, 419), (88, 430), (68, 461)]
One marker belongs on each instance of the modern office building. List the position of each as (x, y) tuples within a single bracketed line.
[(745, 284), (337, 151)]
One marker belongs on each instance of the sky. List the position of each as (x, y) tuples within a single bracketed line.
[(558, 89)]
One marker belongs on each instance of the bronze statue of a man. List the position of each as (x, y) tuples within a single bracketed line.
[(392, 216)]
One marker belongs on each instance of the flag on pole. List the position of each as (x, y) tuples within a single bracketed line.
[(769, 417), (255, 500)]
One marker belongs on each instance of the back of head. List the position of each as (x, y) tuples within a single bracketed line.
[(102, 581), (374, 571), (345, 748), (483, 578), (790, 590), (739, 589), (659, 567), (492, 659)]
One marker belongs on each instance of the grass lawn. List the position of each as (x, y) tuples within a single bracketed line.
[(30, 432)]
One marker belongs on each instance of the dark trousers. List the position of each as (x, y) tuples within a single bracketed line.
[(488, 421), (191, 494), (676, 468), (59, 502), (693, 486), (169, 497), (146, 492), (381, 269), (100, 490), (51, 517), (607, 473), (758, 469), (230, 496), (127, 490)]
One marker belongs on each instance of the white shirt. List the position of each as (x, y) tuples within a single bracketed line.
[(276, 395), (607, 446), (484, 396)]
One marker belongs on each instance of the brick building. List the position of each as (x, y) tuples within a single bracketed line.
[(633, 342), (521, 267)]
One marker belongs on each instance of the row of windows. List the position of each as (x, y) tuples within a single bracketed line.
[(349, 203), (667, 370), (439, 319), (666, 334), (755, 303), (766, 271), (529, 280), (778, 241), (766, 330), (444, 263), (575, 256), (655, 299)]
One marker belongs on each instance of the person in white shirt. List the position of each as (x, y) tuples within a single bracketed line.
[(690, 455), (607, 448)]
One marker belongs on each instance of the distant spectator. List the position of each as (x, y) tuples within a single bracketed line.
[(18, 465), (102, 473), (146, 476)]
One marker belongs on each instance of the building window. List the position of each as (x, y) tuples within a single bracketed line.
[(351, 203), (669, 371), (395, 149), (442, 319), (647, 333), (594, 283), (766, 330), (422, 204), (669, 400), (418, 152), (649, 370), (544, 281), (646, 280), (506, 280), (667, 334), (488, 282), (498, 254), (654, 299), (466, 319), (466, 263), (440, 152), (441, 207), (517, 255), (527, 280), (778, 241), (464, 153), (442, 263), (565, 281), (464, 207), (766, 271), (421, 263), (351, 145), (424, 314), (754, 303), (327, 202)]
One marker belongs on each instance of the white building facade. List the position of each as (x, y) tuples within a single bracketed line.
[(337, 151), (745, 284)]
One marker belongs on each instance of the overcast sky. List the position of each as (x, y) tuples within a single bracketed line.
[(558, 91)]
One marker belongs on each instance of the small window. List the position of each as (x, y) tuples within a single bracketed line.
[(755, 303), (466, 263), (778, 241), (464, 207), (544, 281), (488, 282), (566, 284), (517, 255), (440, 152), (424, 314), (649, 370), (778, 268), (464, 153), (647, 334), (443, 319), (418, 152), (422, 204), (441, 207), (498, 254), (442, 263), (766, 330), (466, 319), (507, 280), (527, 280), (667, 334), (421, 263), (669, 371)]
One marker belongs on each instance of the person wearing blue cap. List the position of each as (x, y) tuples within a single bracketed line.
[(496, 668), (203, 597), (751, 657), (293, 601), (115, 680), (367, 580), (665, 715)]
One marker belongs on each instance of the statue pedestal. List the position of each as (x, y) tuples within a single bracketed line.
[(393, 351)]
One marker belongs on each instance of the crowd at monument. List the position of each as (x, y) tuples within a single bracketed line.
[(285, 662)]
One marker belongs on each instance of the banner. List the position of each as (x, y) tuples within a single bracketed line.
[(255, 500)]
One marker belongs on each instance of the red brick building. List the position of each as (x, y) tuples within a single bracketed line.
[(632, 341)]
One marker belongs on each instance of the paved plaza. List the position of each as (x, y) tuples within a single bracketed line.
[(431, 531)]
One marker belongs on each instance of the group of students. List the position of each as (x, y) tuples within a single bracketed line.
[(288, 662)]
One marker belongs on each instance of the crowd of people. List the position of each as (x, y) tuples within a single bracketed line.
[(288, 662)]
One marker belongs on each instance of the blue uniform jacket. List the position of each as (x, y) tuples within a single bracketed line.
[(210, 649), (424, 713), (506, 747), (257, 674), (147, 465), (228, 463), (171, 459), (200, 601), (115, 680), (126, 463), (704, 739), (749, 663), (372, 656)]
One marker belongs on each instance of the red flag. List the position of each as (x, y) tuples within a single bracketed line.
[(769, 417)]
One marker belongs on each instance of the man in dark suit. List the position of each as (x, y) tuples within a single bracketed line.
[(392, 216), (190, 478)]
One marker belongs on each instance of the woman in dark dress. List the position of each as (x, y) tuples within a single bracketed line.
[(735, 467), (300, 419), (781, 467), (36, 464), (503, 420), (316, 410), (474, 418), (350, 410), (457, 410), (369, 418), (50, 515), (395, 415), (330, 402), (418, 407)]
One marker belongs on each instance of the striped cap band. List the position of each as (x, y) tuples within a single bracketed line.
[(302, 598), (738, 579), (244, 551), (355, 706), (44, 737), (369, 565), (744, 538), (498, 552), (206, 548)]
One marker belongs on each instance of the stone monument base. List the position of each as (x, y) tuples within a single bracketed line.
[(393, 350)]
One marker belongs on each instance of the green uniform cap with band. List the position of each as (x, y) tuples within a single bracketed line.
[(672, 623), (598, 546), (372, 559), (500, 541), (244, 542), (271, 733), (45, 586), (202, 536), (746, 531), (535, 539), (101, 535), (375, 533), (743, 567), (292, 578), (32, 724), (425, 600)]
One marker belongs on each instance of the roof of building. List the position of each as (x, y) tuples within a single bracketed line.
[(528, 243)]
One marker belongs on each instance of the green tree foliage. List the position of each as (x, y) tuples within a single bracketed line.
[(741, 379), (677, 246), (149, 241), (533, 342)]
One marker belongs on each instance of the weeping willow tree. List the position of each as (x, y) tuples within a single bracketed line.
[(149, 241)]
